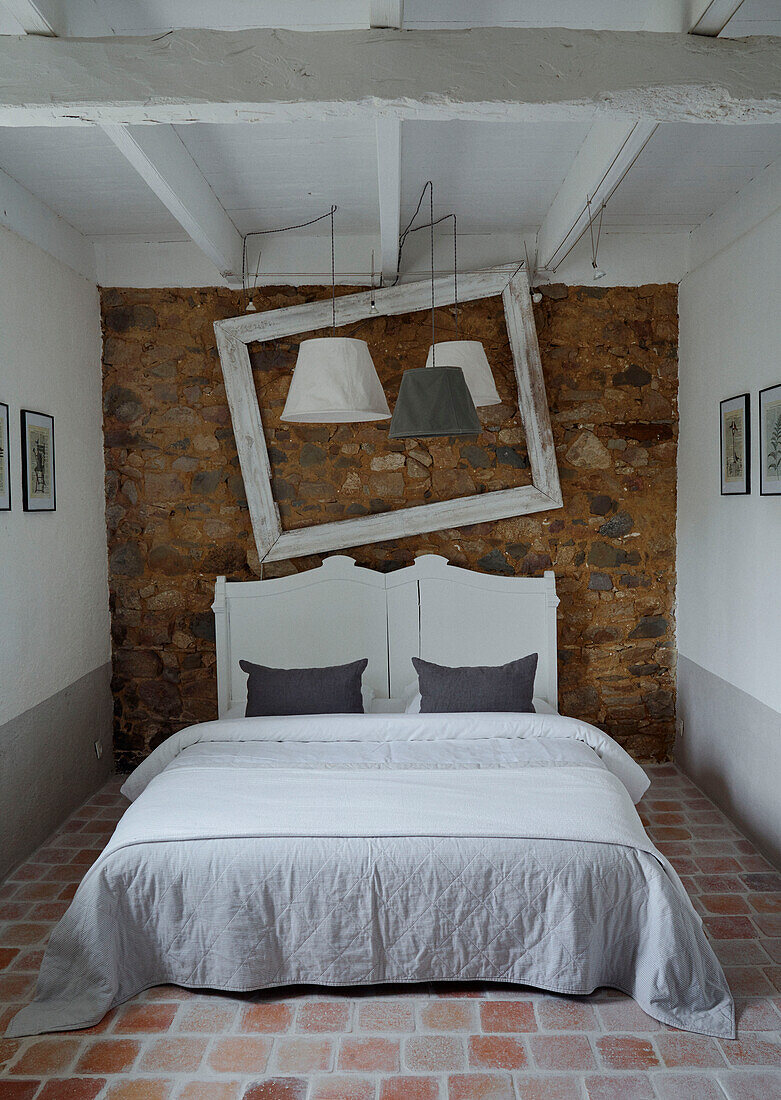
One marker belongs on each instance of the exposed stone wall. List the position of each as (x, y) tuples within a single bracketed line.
[(177, 516)]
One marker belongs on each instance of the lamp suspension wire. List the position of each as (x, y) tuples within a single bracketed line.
[(333, 276), (591, 217), (430, 186), (280, 229)]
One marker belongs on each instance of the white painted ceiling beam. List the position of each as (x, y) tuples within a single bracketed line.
[(714, 16), (610, 149), (160, 158), (31, 17), (389, 181), (214, 76), (31, 219), (386, 13)]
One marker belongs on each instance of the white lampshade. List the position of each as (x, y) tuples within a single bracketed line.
[(335, 383), (470, 356)]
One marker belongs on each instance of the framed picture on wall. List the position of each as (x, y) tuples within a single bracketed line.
[(770, 441), (5, 461), (736, 445), (38, 474)]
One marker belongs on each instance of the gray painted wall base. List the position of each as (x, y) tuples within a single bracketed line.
[(48, 765), (731, 748)]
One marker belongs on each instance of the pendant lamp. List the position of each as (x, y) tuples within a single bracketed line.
[(334, 381), (433, 400), (470, 356)]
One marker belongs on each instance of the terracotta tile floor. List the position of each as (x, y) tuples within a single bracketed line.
[(412, 1042)]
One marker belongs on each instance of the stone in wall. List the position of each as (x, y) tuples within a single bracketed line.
[(177, 517)]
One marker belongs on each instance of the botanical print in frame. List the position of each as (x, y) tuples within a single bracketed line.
[(735, 430), (38, 473), (5, 461), (770, 441)]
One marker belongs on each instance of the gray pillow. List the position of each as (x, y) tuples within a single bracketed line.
[(507, 687), (332, 690)]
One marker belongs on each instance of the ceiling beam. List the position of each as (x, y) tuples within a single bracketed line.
[(28, 217), (31, 17), (548, 74), (386, 13), (161, 159), (610, 149), (389, 181), (715, 16)]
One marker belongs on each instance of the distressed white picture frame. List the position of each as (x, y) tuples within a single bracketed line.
[(274, 544)]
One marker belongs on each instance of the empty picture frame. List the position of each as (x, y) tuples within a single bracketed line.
[(5, 460), (38, 472), (735, 448), (770, 441), (274, 544)]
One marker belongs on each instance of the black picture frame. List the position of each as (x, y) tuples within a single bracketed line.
[(31, 502), (741, 401), (5, 458), (763, 491)]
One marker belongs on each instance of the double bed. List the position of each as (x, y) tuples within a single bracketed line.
[(389, 846)]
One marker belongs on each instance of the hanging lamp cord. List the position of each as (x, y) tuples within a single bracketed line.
[(282, 229), (430, 186), (333, 276)]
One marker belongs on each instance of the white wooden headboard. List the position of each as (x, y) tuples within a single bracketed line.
[(341, 612)]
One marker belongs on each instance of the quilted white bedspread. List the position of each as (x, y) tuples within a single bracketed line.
[(355, 849)]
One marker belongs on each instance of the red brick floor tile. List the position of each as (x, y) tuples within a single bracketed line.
[(626, 1052), (678, 1048), (278, 1088), (687, 1086), (448, 1015), (145, 1018), (240, 1055), (139, 1090), (369, 1054), (765, 903), (177, 1055), (497, 1052), (718, 865), (18, 1090), (557, 1014), (757, 1016), (434, 1053), (323, 1016), (562, 1052), (108, 1056), (756, 1085), (409, 1088), (45, 1056), (480, 1086), (624, 1014), (741, 952), (209, 1017), (266, 1016), (386, 1016), (7, 956), (752, 1051), (724, 904), (343, 1088), (621, 1087), (72, 1088), (16, 986), (730, 928), (508, 1016), (303, 1055), (548, 1087), (210, 1090), (8, 1050), (762, 881), (747, 981)]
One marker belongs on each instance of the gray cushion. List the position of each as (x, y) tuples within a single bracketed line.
[(332, 690), (507, 687)]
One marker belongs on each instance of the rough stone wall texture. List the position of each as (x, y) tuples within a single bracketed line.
[(177, 516)]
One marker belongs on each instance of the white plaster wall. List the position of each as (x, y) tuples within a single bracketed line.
[(729, 548), (54, 621)]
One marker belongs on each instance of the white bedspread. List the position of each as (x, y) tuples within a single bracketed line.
[(354, 849)]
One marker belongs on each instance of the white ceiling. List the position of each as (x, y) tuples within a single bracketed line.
[(97, 18), (500, 178)]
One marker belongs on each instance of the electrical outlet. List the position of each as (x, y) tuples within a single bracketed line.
[(679, 728), (98, 749)]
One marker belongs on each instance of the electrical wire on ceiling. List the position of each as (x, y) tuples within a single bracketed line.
[(282, 229)]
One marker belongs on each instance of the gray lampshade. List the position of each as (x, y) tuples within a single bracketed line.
[(433, 401)]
